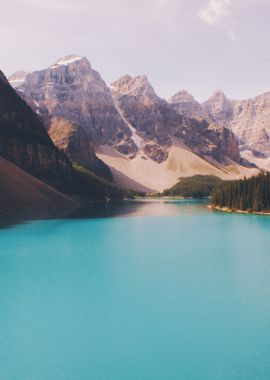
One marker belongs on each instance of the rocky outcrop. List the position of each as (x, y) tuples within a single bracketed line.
[(24, 140), (74, 141)]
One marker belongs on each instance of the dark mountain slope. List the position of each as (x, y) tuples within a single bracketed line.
[(23, 196)]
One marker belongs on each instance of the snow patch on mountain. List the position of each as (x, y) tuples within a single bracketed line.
[(66, 61)]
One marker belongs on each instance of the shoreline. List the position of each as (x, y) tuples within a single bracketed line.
[(237, 211)]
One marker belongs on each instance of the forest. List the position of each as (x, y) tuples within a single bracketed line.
[(198, 186), (252, 195)]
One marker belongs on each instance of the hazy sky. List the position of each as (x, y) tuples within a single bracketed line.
[(197, 45)]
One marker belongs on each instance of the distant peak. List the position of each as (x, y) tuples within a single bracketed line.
[(138, 85), (182, 96), (69, 59), (18, 78), (217, 93)]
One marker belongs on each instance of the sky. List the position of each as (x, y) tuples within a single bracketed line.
[(196, 45)]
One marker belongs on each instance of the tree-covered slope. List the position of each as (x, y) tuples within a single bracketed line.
[(196, 186), (251, 194)]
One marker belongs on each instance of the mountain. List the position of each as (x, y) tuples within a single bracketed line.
[(145, 140), (25, 197), (248, 119), (169, 144), (72, 90), (159, 124), (25, 142)]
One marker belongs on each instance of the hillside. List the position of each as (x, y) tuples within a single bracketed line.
[(197, 186), (23, 196)]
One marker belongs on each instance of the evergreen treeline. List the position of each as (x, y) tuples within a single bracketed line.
[(198, 186), (251, 194), (86, 184)]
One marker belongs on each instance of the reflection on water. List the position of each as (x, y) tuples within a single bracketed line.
[(139, 207), (121, 208)]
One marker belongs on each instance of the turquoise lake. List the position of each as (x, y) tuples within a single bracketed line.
[(136, 291)]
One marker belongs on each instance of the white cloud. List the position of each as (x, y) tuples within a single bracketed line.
[(214, 11)]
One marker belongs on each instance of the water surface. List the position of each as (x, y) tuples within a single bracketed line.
[(156, 291)]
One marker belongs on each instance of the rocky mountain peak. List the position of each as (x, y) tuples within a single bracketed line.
[(185, 104), (135, 86), (182, 96), (219, 108), (72, 90), (218, 94)]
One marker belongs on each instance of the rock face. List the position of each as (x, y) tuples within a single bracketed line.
[(24, 140), (248, 119), (251, 123), (158, 123), (74, 141)]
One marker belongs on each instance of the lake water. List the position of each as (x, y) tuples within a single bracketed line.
[(138, 291)]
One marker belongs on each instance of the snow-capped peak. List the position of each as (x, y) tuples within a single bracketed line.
[(66, 60)]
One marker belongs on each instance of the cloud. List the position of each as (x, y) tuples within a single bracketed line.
[(214, 11)]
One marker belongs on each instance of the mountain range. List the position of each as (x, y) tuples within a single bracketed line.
[(126, 133)]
